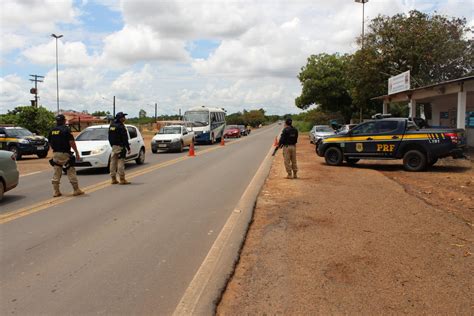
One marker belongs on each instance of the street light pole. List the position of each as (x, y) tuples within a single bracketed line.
[(57, 75), (362, 41)]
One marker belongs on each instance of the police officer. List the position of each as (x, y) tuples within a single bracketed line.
[(118, 139), (61, 141), (288, 140)]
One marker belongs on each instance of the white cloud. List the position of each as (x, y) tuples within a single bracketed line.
[(13, 91), (38, 16), (70, 54), (140, 43)]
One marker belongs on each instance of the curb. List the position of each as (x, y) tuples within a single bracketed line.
[(206, 289)]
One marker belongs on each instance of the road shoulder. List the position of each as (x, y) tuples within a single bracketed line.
[(349, 240)]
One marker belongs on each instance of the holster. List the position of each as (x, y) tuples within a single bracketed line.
[(123, 153)]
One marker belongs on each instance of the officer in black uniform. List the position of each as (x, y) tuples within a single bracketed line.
[(118, 139), (61, 141), (288, 140)]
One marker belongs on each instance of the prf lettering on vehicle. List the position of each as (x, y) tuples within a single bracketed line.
[(55, 132), (385, 147)]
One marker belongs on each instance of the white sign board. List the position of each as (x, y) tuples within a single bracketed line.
[(399, 83)]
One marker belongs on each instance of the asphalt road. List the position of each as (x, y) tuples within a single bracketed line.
[(121, 249)]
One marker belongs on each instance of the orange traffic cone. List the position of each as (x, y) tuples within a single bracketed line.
[(191, 150), (275, 143), (222, 141)]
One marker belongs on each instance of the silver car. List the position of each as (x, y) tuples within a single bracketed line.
[(320, 131), (9, 174)]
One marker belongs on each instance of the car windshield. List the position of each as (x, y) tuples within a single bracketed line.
[(324, 129), (18, 132), (170, 130), (197, 118), (94, 134), (231, 127)]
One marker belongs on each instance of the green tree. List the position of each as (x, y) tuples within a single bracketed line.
[(254, 117), (325, 83), (36, 119), (100, 113), (141, 113), (434, 48)]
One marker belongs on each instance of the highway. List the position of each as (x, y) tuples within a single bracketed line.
[(121, 249)]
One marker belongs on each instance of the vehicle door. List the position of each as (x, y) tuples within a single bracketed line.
[(389, 137), (134, 141), (186, 136), (360, 141), (3, 139)]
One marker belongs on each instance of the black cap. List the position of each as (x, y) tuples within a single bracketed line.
[(288, 121), (120, 115), (60, 118)]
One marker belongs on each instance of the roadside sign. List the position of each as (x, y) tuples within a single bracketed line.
[(399, 82)]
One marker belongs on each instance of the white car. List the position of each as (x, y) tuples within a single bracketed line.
[(320, 131), (95, 150), (172, 137)]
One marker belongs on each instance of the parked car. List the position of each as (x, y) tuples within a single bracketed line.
[(93, 145), (345, 128), (9, 174), (232, 131), (22, 142), (320, 131), (243, 130), (172, 137), (393, 138)]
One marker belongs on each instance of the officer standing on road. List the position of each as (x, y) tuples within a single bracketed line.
[(62, 141), (118, 139), (288, 140)]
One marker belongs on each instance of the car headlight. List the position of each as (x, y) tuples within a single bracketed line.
[(175, 140), (24, 141), (99, 150)]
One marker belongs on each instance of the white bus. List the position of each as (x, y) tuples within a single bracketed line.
[(207, 123)]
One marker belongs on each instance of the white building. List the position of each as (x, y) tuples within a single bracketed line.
[(452, 104)]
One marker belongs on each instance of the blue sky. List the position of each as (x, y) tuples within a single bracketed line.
[(229, 53)]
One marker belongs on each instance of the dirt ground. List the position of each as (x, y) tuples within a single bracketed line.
[(368, 240)]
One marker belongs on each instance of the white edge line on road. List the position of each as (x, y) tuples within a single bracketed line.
[(30, 174), (195, 289)]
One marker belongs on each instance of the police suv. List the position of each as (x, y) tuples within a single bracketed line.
[(393, 138), (21, 142)]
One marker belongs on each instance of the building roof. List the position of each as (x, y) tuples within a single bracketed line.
[(428, 87)]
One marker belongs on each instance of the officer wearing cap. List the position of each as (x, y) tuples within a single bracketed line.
[(118, 139), (61, 141), (288, 140)]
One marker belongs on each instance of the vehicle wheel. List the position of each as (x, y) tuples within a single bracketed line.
[(2, 190), (333, 156), (352, 161), (212, 139), (180, 148), (432, 162), (414, 160), (42, 154), (154, 150), (141, 157), (15, 152)]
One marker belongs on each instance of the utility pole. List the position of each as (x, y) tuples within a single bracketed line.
[(114, 108), (156, 108), (57, 71), (362, 42), (35, 89)]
